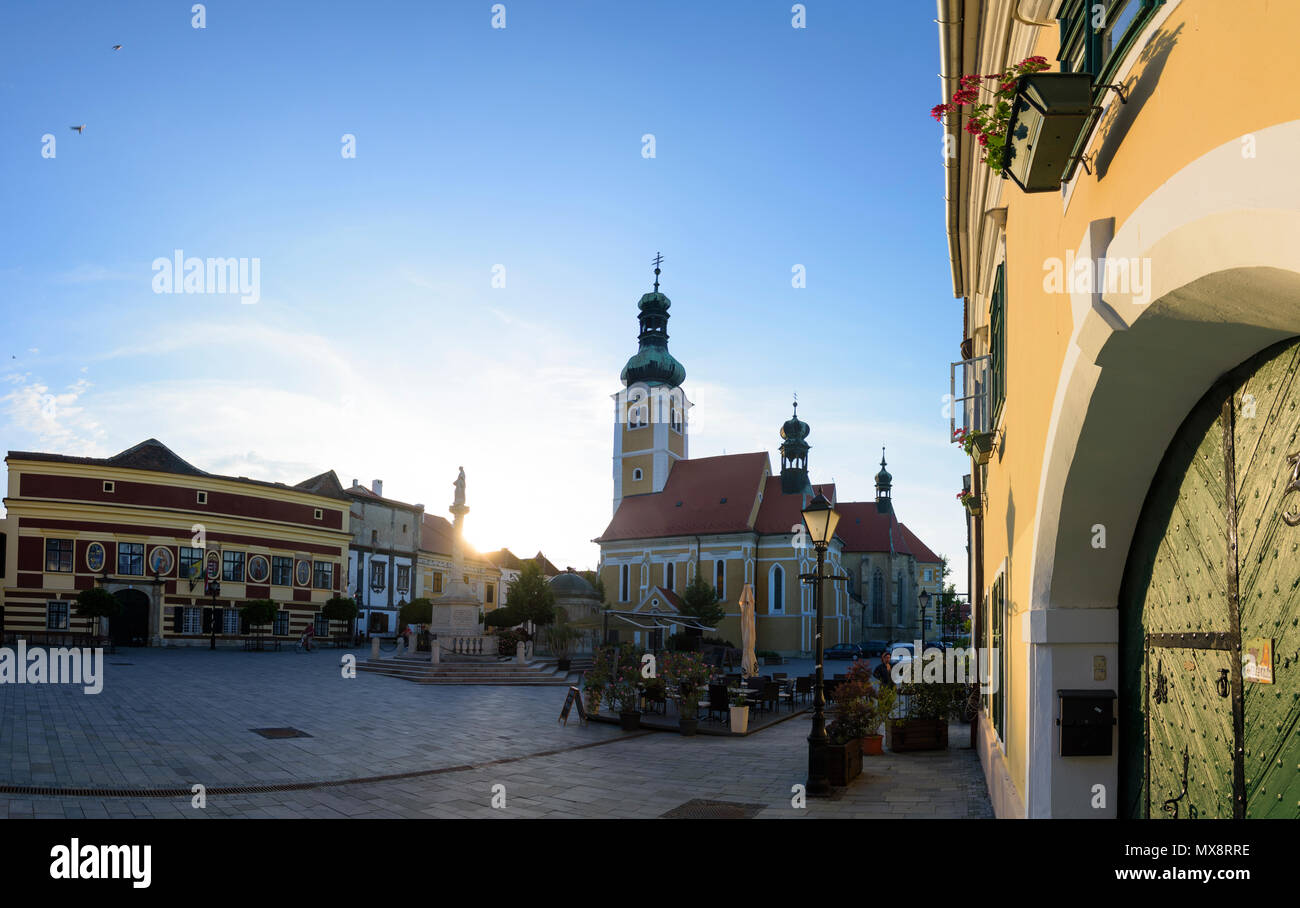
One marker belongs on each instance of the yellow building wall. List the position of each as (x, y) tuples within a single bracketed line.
[(644, 485), (1224, 77), (676, 442)]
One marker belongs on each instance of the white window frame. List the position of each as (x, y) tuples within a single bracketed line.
[(230, 621), (773, 606), (192, 620)]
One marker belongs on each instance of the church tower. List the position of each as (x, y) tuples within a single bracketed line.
[(651, 412), (794, 456), (884, 485)]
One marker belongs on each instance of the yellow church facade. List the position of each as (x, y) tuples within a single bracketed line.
[(731, 520)]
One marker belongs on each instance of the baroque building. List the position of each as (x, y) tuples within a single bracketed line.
[(730, 518)]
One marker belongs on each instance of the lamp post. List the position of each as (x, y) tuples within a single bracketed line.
[(925, 608), (214, 587), (820, 519)]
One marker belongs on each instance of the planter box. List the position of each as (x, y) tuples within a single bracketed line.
[(844, 762), (903, 735), (688, 727), (981, 447), (631, 720), (739, 720), (872, 745)]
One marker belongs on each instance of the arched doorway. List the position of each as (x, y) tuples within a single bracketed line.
[(1213, 573), (131, 626)]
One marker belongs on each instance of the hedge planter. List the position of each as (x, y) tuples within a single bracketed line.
[(631, 720), (904, 735), (688, 727), (843, 762), (739, 720), (563, 665), (981, 447), (593, 701), (872, 745)]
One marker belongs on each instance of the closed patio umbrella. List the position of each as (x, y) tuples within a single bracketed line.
[(748, 661)]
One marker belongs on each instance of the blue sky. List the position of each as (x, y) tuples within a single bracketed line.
[(379, 347)]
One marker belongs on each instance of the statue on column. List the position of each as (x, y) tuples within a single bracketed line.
[(460, 488)]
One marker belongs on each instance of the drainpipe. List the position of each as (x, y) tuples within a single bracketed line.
[(950, 23)]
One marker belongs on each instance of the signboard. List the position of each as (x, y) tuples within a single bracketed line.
[(575, 696), (1257, 661)]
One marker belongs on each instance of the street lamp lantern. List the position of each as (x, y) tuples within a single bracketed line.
[(821, 519)]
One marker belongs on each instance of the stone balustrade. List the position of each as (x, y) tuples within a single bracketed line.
[(469, 645)]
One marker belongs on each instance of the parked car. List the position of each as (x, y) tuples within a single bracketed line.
[(845, 651), (873, 648)]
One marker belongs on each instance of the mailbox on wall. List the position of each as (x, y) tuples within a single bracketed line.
[(1086, 719)]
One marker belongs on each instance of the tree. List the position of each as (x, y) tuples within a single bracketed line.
[(531, 597), (340, 609), (505, 616), (700, 601), (95, 603), (598, 584), (417, 611), (258, 613)]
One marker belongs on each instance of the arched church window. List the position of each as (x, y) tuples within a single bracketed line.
[(776, 589), (878, 597), (636, 475)]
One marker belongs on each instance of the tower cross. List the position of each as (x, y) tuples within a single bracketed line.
[(658, 260)]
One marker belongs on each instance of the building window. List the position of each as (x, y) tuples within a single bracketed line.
[(130, 558), (489, 593), (674, 417), (670, 574), (374, 537), (403, 578), (720, 578), (877, 597), (637, 474), (190, 563), (323, 626), (230, 621), (776, 589), (437, 581), (232, 566), (202, 497), (1095, 34), (318, 514), (324, 575), (280, 628), (997, 605), (378, 575), (998, 344), (929, 574), (900, 599), (281, 570), (56, 616), (110, 486), (58, 555), (192, 620), (624, 581)]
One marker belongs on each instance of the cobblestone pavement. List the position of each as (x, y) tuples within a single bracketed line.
[(171, 719)]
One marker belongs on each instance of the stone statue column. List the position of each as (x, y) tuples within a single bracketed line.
[(458, 510)]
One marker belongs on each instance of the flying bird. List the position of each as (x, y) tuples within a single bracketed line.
[(78, 129), (117, 47)]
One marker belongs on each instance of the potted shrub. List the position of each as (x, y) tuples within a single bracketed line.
[(96, 604), (739, 713), (625, 696), (595, 679), (925, 723), (970, 501), (882, 704), (561, 638), (843, 753), (688, 673)]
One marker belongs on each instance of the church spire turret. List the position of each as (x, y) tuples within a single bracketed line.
[(794, 455), (652, 364), (884, 486)]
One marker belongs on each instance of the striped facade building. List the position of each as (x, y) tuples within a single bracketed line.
[(170, 541)]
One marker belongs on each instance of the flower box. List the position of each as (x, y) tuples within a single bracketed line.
[(903, 735), (844, 762)]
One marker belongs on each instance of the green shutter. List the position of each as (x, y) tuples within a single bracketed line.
[(998, 346)]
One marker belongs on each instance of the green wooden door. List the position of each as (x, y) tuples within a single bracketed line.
[(1215, 564)]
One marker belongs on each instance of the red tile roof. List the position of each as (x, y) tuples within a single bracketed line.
[(865, 528), (779, 511), (919, 549), (705, 495), (667, 596), (548, 569)]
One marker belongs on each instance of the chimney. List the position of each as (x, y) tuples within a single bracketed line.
[(354, 483), (377, 487)]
